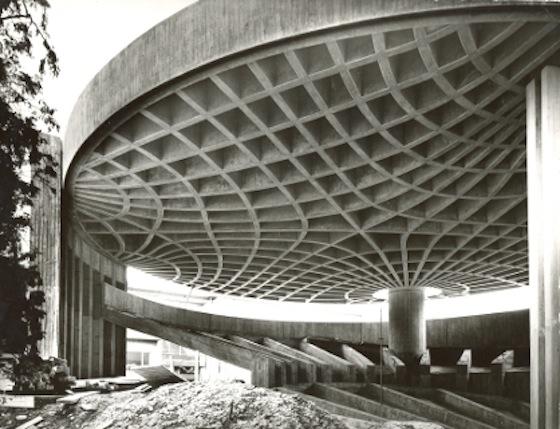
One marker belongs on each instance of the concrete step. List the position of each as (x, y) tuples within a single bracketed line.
[(352, 423), (478, 411), (423, 407), (348, 399), (516, 407), (336, 408)]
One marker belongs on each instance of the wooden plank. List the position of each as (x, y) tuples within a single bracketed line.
[(75, 398), (17, 401), (30, 423), (157, 375)]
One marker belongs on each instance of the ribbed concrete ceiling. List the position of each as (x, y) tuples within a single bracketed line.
[(325, 168)]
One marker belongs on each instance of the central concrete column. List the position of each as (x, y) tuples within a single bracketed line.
[(407, 324), (543, 178)]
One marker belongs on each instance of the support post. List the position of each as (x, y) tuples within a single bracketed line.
[(463, 368), (543, 177), (407, 324)]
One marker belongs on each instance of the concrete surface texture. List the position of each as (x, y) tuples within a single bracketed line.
[(407, 324), (490, 333), (381, 153), (92, 345), (44, 238)]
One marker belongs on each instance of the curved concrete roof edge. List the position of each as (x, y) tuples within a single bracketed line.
[(158, 56)]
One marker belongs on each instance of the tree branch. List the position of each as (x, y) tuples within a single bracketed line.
[(37, 27), (18, 16)]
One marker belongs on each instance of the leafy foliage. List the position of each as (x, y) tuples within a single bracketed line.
[(26, 56)]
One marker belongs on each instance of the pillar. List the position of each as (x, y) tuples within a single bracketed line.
[(543, 198), (44, 239), (93, 346), (407, 324)]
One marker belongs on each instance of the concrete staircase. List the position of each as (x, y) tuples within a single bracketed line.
[(371, 403), (343, 376), (280, 353)]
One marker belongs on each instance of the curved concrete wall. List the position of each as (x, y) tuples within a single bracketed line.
[(92, 346), (188, 40), (496, 331)]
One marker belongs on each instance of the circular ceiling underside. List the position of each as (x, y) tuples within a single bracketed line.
[(326, 168)]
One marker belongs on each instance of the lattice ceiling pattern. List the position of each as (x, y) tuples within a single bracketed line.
[(327, 168)]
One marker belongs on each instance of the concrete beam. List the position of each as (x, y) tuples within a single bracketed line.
[(315, 369), (263, 372), (362, 403), (265, 368), (478, 411), (343, 369), (397, 366), (424, 408), (365, 366), (498, 369), (336, 408), (516, 407), (509, 330), (463, 368), (424, 369), (216, 347), (287, 369), (306, 371)]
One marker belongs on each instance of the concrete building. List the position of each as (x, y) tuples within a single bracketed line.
[(320, 152)]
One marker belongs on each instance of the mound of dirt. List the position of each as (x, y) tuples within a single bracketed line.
[(193, 405), (199, 406)]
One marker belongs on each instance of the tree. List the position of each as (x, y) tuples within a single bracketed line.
[(26, 57)]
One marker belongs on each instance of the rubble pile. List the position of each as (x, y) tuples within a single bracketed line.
[(193, 406), (190, 405)]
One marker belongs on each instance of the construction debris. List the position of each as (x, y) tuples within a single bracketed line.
[(410, 425), (143, 388), (75, 398), (157, 375), (217, 405), (191, 406), (30, 423), (17, 401)]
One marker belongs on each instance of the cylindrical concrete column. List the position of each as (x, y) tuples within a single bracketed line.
[(407, 324)]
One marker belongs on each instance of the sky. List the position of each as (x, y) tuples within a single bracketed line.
[(86, 34)]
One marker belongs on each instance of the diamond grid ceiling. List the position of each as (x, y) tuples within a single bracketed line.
[(327, 168)]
